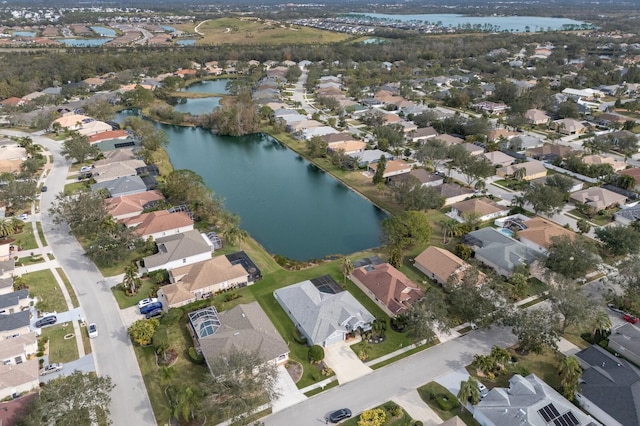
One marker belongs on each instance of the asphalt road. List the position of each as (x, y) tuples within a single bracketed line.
[(393, 380), (112, 349)]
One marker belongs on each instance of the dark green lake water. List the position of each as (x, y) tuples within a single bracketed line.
[(286, 203)]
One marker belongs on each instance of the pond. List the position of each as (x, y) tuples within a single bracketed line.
[(502, 23), (186, 42), (84, 42), (218, 87), (198, 106), (24, 33), (286, 203), (103, 31)]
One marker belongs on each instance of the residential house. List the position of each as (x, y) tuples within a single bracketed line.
[(494, 135), (159, 224), (322, 311), (532, 170), (440, 265), (609, 387), (628, 215), (423, 134), (426, 178), (370, 156), (7, 267), (19, 378), (491, 107), (498, 251), (17, 350), (127, 206), (598, 198), (528, 401), (593, 160), (537, 117), (550, 152), (473, 149), (307, 134), (109, 172), (449, 139), (392, 168), (483, 208), (634, 172), (244, 328), (625, 340), (586, 94), (569, 126), (119, 155), (15, 301), (71, 121), (539, 234), (388, 287), (178, 250), (126, 185), (499, 158), (201, 280), (577, 185), (347, 147), (15, 324), (453, 193)]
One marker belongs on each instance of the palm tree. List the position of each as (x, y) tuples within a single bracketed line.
[(501, 356), (379, 326), (346, 267), (469, 391), (130, 279), (601, 323), (520, 173), (7, 227), (449, 227), (484, 364), (185, 405), (570, 372)]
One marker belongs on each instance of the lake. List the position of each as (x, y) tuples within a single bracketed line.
[(504, 23), (198, 106), (84, 42), (286, 203), (103, 31), (217, 87)]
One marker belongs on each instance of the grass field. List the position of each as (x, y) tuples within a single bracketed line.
[(61, 349), (25, 239), (43, 285), (258, 31), (67, 284), (429, 394)]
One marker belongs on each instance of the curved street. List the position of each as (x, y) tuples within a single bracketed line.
[(112, 349)]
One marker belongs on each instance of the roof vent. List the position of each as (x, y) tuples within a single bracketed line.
[(237, 333)]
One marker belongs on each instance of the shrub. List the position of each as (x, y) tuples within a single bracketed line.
[(173, 316), (447, 403), (299, 338), (316, 353), (417, 423), (395, 410), (195, 357), (522, 370)]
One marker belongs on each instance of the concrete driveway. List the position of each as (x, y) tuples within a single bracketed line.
[(417, 408), (130, 315), (84, 364), (452, 380), (289, 392), (344, 362)]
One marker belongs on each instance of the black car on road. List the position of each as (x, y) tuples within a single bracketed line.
[(339, 415)]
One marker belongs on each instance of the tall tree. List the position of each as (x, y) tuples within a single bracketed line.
[(573, 304), (378, 176), (6, 227), (78, 148), (346, 267), (535, 329), (406, 229), (428, 314), (240, 382), (469, 391), (601, 323), (85, 212), (570, 372), (619, 240), (544, 199), (73, 399), (130, 281), (571, 257), (433, 152)]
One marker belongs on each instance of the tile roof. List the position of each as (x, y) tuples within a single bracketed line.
[(542, 231), (442, 263), (15, 375), (133, 203), (151, 223), (598, 198), (483, 206), (393, 288)]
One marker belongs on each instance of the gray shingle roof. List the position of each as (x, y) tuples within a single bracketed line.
[(13, 298), (321, 314), (122, 186), (627, 336), (611, 383), (499, 249), (175, 247), (14, 321)]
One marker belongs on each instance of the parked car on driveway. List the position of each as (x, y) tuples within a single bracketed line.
[(52, 368), (93, 331), (631, 319), (150, 307), (339, 415), (483, 390), (614, 308), (147, 301), (48, 320), (155, 313)]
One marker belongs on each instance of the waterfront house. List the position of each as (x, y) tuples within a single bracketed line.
[(440, 265), (178, 250), (484, 209)]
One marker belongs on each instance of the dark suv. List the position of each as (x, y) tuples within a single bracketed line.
[(338, 416), (49, 320)]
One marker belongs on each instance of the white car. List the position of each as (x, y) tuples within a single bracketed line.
[(23, 217), (147, 301), (85, 169), (93, 331), (52, 368)]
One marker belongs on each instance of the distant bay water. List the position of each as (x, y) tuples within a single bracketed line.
[(501, 23)]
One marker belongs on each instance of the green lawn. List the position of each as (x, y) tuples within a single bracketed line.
[(125, 301), (430, 394), (67, 284), (597, 219), (43, 240), (30, 260), (86, 343), (60, 349), (25, 239), (72, 188), (543, 365), (535, 287), (403, 419), (43, 285)]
